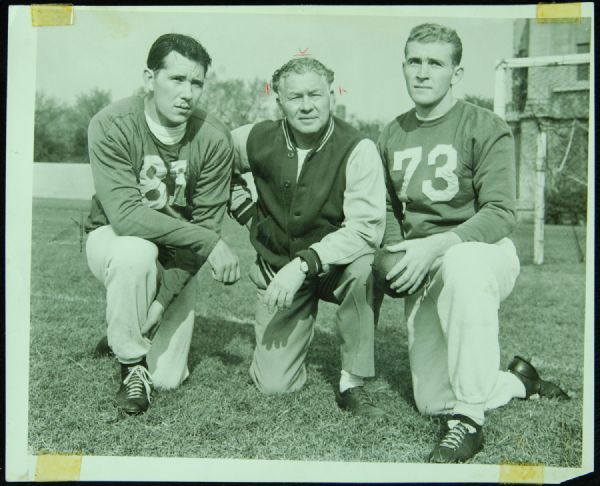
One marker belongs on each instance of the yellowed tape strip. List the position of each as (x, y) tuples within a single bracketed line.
[(51, 15), (57, 468), (521, 473), (558, 12)]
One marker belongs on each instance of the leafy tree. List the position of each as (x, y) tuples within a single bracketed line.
[(85, 107), (480, 101), (60, 130), (237, 102), (51, 140), (370, 128)]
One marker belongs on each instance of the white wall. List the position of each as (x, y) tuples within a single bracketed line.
[(64, 181), (73, 181)]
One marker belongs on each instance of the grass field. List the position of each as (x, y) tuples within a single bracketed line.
[(217, 414)]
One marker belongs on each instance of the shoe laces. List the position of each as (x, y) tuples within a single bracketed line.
[(456, 434), (137, 382), (362, 393)]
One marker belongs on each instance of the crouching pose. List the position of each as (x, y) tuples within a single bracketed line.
[(450, 172), (317, 221), (162, 171)]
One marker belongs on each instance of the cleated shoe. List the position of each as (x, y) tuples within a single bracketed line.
[(358, 401), (134, 394), (525, 371), (461, 439)]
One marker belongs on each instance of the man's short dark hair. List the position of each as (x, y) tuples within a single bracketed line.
[(301, 65), (185, 45), (437, 33)]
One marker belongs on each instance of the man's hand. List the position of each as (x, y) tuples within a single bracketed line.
[(155, 312), (418, 259), (280, 292), (224, 263)]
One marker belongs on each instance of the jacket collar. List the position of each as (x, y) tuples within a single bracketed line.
[(290, 141)]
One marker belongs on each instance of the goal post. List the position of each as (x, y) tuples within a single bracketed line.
[(545, 100)]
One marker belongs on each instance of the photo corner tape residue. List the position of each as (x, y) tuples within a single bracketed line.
[(51, 15), (57, 468), (521, 473), (558, 12)]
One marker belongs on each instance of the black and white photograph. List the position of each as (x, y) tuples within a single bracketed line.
[(300, 243)]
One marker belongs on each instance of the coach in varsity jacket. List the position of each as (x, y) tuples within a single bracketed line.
[(319, 216)]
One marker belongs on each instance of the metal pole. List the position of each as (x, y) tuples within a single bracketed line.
[(539, 210), (500, 90)]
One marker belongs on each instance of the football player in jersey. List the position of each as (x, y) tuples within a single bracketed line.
[(450, 171), (162, 170), (319, 217)]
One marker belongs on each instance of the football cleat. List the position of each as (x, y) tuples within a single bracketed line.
[(134, 393), (462, 438), (529, 376), (357, 401)]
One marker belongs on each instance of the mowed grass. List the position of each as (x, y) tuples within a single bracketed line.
[(217, 414)]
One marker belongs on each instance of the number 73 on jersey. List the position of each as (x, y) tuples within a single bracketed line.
[(408, 160)]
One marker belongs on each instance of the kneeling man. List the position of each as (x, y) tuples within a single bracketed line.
[(162, 170), (450, 170), (317, 221)]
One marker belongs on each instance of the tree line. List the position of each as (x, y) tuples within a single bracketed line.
[(60, 131)]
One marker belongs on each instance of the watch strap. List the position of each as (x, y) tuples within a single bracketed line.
[(313, 261)]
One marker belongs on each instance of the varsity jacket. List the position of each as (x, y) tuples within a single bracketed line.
[(333, 205)]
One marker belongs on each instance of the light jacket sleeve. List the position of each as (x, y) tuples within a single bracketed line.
[(364, 210), (241, 206)]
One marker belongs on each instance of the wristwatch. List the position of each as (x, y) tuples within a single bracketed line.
[(303, 265)]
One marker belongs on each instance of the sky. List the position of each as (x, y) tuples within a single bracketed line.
[(107, 49)]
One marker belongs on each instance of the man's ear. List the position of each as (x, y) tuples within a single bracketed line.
[(457, 76), (148, 80)]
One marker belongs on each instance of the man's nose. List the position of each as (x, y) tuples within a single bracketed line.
[(186, 91), (423, 71), (306, 104)]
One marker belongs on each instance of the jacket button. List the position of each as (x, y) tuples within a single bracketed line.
[(286, 184), (290, 154)]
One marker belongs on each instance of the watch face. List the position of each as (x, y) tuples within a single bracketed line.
[(303, 266)]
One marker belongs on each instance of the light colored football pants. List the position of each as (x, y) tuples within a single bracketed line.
[(283, 337), (129, 269), (453, 331)]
